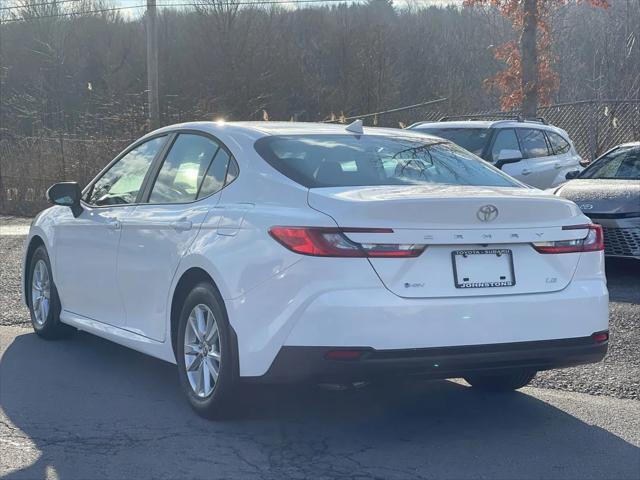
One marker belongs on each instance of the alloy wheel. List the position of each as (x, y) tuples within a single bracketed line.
[(40, 292), (202, 353)]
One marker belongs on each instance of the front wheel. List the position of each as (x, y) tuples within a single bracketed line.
[(503, 382), (205, 352), (42, 296)]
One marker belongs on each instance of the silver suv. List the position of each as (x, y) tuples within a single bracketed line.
[(532, 151)]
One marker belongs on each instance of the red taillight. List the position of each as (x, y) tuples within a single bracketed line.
[(343, 354), (593, 242), (600, 337), (331, 242)]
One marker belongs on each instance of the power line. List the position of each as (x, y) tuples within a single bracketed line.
[(259, 2), (69, 14), (44, 4), (168, 5), (384, 112)]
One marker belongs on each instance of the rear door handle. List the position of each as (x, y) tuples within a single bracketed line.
[(114, 225), (181, 225), (526, 171)]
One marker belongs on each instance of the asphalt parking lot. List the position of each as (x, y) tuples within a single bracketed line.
[(85, 408)]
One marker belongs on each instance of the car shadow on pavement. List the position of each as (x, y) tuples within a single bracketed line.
[(87, 408)]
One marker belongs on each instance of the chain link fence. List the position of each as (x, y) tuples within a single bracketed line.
[(29, 165)]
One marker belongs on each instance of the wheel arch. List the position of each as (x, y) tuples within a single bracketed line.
[(188, 279), (34, 242)]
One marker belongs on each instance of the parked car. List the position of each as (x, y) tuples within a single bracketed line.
[(608, 192), (532, 151), (281, 252)]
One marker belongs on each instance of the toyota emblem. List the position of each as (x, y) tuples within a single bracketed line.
[(487, 213)]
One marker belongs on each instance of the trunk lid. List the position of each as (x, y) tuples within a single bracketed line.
[(485, 225)]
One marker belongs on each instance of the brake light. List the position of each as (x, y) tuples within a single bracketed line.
[(331, 242), (343, 354), (600, 337), (593, 242)]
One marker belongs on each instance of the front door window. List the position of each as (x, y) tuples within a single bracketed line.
[(121, 184)]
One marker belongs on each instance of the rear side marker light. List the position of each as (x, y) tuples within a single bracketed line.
[(600, 337), (331, 242), (343, 354), (593, 242)]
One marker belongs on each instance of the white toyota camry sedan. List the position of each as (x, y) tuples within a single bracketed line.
[(280, 252)]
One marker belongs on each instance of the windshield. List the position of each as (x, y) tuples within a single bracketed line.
[(472, 139), (369, 160), (622, 163)]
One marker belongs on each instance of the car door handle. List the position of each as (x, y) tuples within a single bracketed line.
[(181, 225), (557, 166), (526, 171), (114, 225)]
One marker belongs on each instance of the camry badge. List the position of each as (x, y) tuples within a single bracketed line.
[(487, 213)]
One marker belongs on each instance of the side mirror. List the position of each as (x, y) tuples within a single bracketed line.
[(508, 156), (572, 175), (66, 194), (584, 163)]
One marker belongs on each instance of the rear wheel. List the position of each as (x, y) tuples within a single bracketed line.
[(206, 354), (504, 382), (42, 296)]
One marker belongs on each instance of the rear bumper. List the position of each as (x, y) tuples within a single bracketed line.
[(348, 307), (299, 364)]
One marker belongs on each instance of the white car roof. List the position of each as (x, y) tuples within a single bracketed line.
[(456, 124), (260, 129), (488, 124)]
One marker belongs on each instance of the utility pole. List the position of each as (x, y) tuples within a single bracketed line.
[(529, 58), (152, 65)]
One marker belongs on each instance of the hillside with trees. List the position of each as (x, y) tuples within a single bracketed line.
[(79, 67)]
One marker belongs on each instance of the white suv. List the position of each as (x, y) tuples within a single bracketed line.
[(532, 151)]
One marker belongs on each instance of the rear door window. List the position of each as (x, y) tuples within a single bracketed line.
[(559, 145), (183, 169), (216, 176), (505, 140), (533, 142)]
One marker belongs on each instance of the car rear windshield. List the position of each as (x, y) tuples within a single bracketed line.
[(472, 139), (369, 160)]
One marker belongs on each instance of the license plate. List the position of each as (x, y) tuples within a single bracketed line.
[(483, 268)]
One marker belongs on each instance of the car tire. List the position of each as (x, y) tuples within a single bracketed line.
[(207, 355), (505, 382), (43, 299)]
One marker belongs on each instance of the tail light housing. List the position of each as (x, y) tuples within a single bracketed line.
[(600, 337), (584, 163), (593, 242), (343, 354), (332, 242)]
